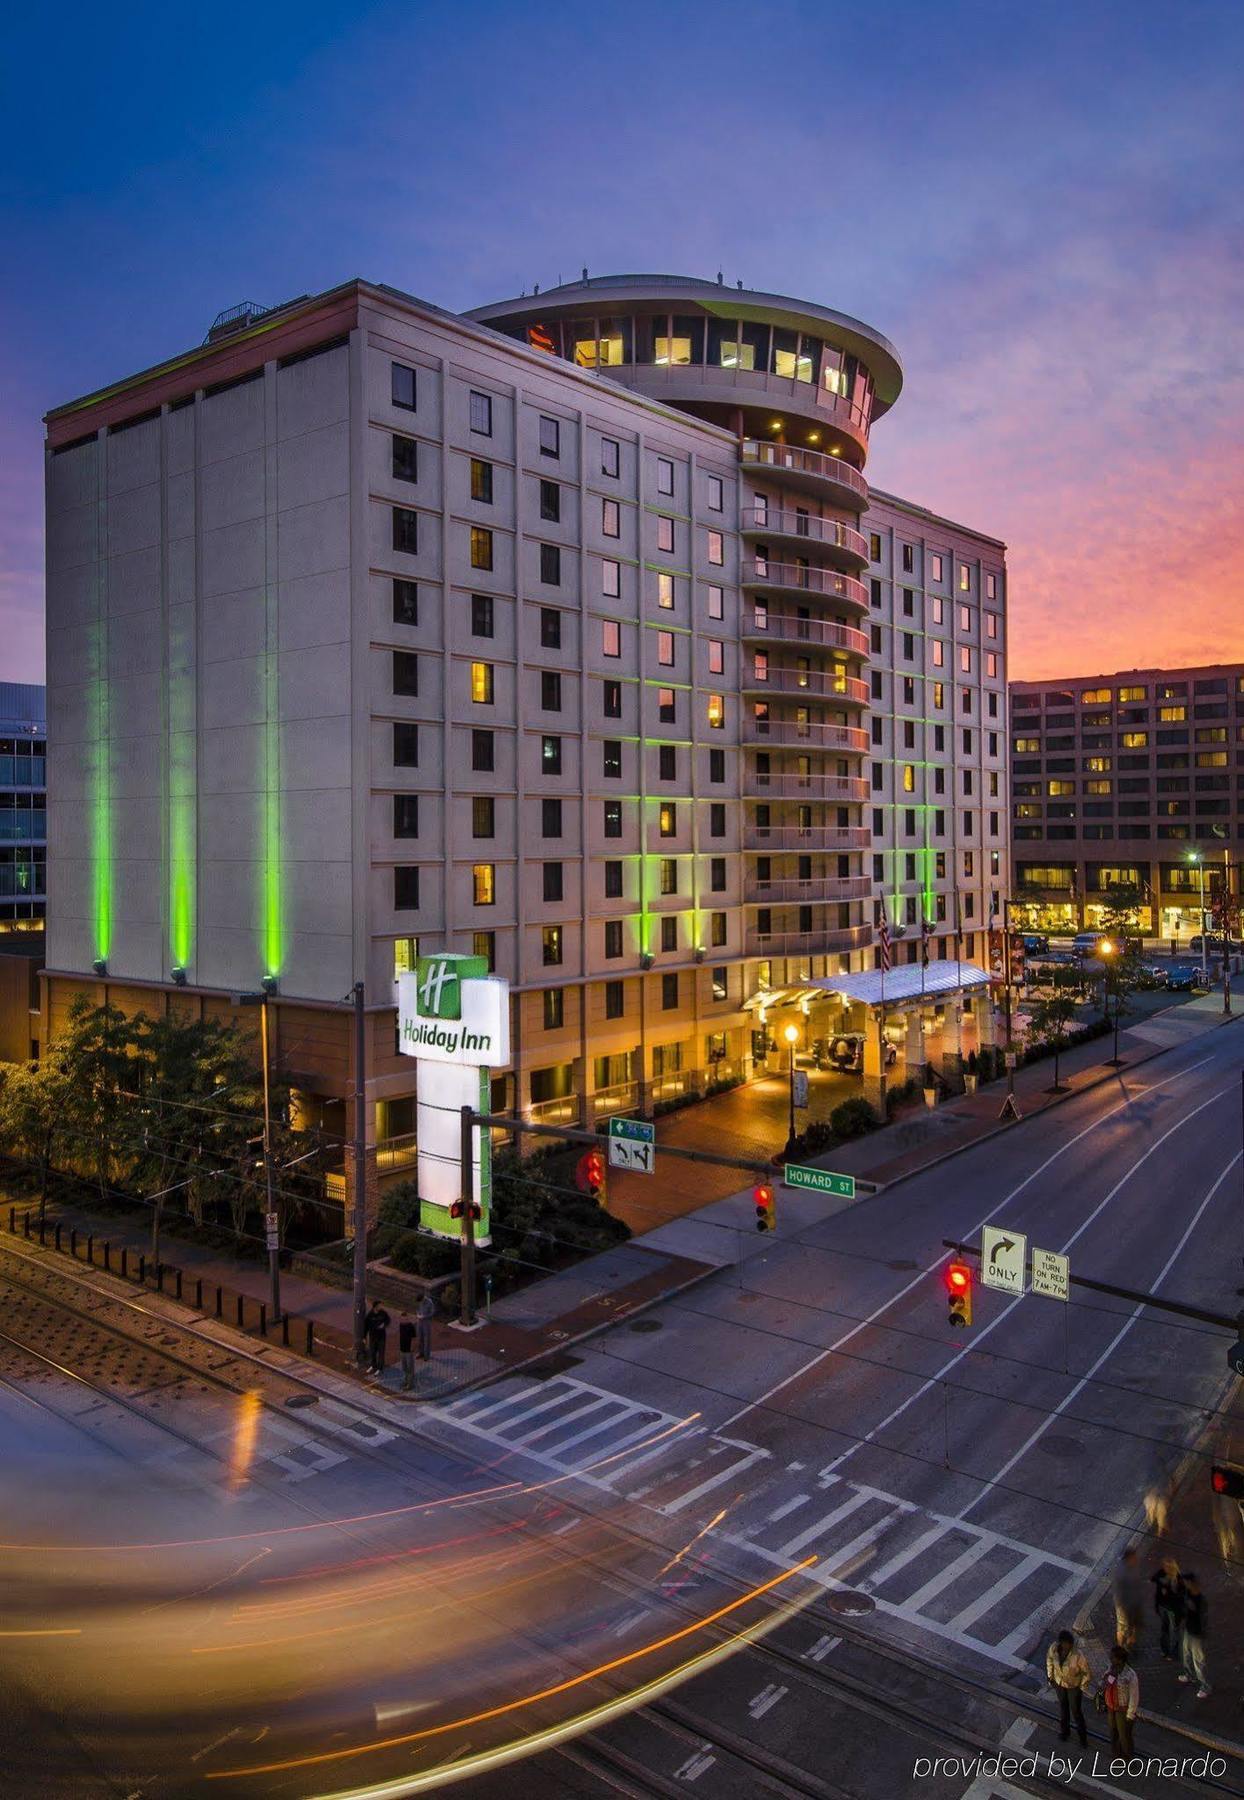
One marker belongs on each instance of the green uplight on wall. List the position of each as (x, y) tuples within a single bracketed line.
[(181, 808), (101, 797), (272, 946)]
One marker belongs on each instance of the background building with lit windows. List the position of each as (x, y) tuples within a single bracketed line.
[(1137, 778), (23, 807), (567, 633)]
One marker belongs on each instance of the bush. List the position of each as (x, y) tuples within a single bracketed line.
[(418, 1253), (851, 1119), (400, 1206), (900, 1095)]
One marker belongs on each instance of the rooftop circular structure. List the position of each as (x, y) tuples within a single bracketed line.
[(765, 366)]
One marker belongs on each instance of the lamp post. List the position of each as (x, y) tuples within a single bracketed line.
[(791, 1034), (1194, 856), (271, 1228), (1107, 950)]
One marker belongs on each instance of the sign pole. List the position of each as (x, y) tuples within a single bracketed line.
[(467, 1283), (360, 1171)]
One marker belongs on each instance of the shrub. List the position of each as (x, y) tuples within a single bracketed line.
[(852, 1118), (418, 1253), (400, 1206)]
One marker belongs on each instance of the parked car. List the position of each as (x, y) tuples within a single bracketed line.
[(1085, 943), (1035, 944), (1153, 975), (1213, 945), (1183, 977), (846, 1053)]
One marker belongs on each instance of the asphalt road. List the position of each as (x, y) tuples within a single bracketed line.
[(551, 1586)]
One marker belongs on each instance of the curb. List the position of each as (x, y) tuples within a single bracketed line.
[(1137, 1062)]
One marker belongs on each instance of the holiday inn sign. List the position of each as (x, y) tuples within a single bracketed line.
[(451, 1010)]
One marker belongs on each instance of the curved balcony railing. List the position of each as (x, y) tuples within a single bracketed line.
[(804, 578), (807, 943), (804, 736), (815, 683), (826, 888), (807, 838), (828, 535), (812, 469), (769, 627), (785, 785)]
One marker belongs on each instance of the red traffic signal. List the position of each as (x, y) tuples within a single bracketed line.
[(959, 1294), (458, 1209), (590, 1173), (1224, 1478), (766, 1207)]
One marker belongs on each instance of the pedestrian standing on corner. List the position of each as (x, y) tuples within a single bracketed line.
[(1195, 1619), (406, 1350), (1128, 1601), (376, 1326), (425, 1312), (1168, 1602), (1070, 1677), (1120, 1697)]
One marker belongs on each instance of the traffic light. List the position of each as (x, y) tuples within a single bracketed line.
[(766, 1207), (590, 1173), (457, 1209), (959, 1294), (1226, 1478)]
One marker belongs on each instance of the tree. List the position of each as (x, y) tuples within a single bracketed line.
[(1050, 1019), (1121, 962), (35, 1104), (95, 1047)]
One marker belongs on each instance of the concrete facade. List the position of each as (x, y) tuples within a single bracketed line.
[(371, 627)]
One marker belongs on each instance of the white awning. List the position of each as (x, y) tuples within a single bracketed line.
[(766, 998), (910, 983)]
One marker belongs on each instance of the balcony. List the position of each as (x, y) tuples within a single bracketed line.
[(788, 786), (824, 889), (786, 628), (809, 471), (805, 736), (807, 943), (840, 544), (806, 838), (815, 684), (803, 580)]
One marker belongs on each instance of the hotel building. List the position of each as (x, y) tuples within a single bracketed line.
[(23, 808), (567, 632), (1132, 778)]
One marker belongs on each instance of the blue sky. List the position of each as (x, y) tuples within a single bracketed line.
[(1041, 206)]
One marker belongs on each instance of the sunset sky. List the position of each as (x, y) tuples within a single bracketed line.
[(1040, 206)]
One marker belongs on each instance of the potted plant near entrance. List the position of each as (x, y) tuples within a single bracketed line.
[(929, 1085), (971, 1073)]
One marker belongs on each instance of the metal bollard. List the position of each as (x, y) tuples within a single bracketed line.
[(241, 1303), (177, 1273), (263, 1318), (73, 1241), (90, 1248), (198, 1294), (159, 1278), (107, 1257), (142, 1270), (310, 1337), (125, 1259), (220, 1301), (285, 1329)]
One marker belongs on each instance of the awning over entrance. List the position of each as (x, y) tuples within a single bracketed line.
[(905, 986), (770, 997)]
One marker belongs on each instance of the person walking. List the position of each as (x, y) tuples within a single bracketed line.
[(1120, 1696), (425, 1312), (406, 1350), (1128, 1601), (376, 1325), (1070, 1677), (1195, 1619), (1168, 1603)]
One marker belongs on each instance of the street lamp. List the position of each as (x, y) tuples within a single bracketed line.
[(1194, 856), (1107, 950), (791, 1034), (271, 1226)]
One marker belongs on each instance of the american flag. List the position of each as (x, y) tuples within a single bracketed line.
[(926, 932), (883, 940)]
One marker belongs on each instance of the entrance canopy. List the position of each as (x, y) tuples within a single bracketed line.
[(905, 986), (783, 997)]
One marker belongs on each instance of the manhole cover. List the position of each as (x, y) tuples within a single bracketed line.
[(1060, 1446), (851, 1604), (296, 1400), (903, 1266), (645, 1325)]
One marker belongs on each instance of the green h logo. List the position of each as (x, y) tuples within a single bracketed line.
[(440, 991)]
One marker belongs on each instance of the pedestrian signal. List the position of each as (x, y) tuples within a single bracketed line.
[(766, 1207), (959, 1294), (459, 1207), (1226, 1479)]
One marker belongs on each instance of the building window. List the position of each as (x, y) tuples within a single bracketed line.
[(405, 955), (405, 672), (481, 480), (402, 386), (554, 1008), (484, 884), (716, 602), (665, 475), (613, 938), (550, 628), (481, 414), (481, 683), (483, 816), (550, 437), (665, 649), (669, 934), (482, 753), (667, 762), (405, 889), (550, 690), (614, 993), (405, 745), (668, 875), (665, 534), (667, 819), (611, 759), (939, 653), (613, 818), (481, 615), (991, 625), (665, 592), (717, 820), (405, 530), (550, 501), (610, 579), (550, 756), (937, 566), (405, 459), (612, 699), (610, 457), (550, 565), (717, 930), (991, 587), (405, 601), (874, 546), (610, 637), (610, 518), (965, 658), (550, 817), (909, 559), (406, 815), (551, 946), (991, 663), (613, 880), (669, 993), (1135, 740), (717, 765), (716, 493), (667, 710), (484, 943), (965, 578), (716, 656), (721, 983), (716, 549), (553, 883), (481, 547), (717, 874)]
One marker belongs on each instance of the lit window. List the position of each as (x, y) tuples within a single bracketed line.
[(481, 683), (481, 547), (405, 955), (1096, 696), (667, 819), (611, 637), (965, 658), (716, 711), (1171, 715), (667, 708), (1098, 787), (612, 345), (1211, 759), (991, 663), (665, 591), (909, 778), (760, 665), (939, 695), (1059, 790), (939, 611), (1027, 746), (1133, 693), (675, 351), (1135, 740), (484, 884), (965, 578)]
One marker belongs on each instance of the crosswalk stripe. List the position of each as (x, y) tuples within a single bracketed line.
[(796, 1544), (994, 1594), (945, 1576)]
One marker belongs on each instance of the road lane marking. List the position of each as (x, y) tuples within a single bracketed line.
[(768, 1697), (821, 1649), (696, 1765), (787, 1506), (1119, 1335), (863, 1325)]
